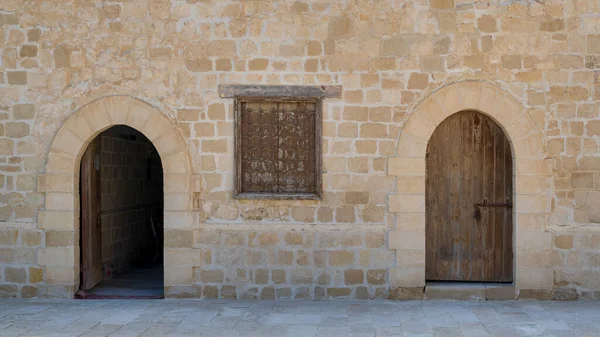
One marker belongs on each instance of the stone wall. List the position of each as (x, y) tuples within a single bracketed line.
[(269, 264), (59, 57), (576, 260)]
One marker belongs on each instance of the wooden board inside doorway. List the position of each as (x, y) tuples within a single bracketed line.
[(91, 231)]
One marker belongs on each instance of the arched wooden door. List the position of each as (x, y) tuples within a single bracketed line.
[(469, 201)]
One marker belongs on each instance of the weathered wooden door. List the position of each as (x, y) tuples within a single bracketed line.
[(469, 201), (91, 232)]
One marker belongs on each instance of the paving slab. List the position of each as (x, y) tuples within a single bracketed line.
[(294, 318)]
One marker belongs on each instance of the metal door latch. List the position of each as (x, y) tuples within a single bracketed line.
[(485, 203)]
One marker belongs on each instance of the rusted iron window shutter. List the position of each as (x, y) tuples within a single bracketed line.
[(278, 147)]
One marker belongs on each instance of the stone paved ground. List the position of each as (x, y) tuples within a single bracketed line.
[(297, 318)]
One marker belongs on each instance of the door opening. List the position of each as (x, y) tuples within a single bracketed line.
[(121, 236), (469, 226)]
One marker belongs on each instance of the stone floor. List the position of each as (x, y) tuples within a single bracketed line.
[(297, 318), (142, 281)]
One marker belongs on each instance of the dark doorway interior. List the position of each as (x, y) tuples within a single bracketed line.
[(121, 189)]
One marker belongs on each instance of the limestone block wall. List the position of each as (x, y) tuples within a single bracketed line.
[(279, 263), (577, 263), (71, 69)]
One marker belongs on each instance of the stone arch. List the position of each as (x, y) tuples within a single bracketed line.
[(530, 169), (60, 179)]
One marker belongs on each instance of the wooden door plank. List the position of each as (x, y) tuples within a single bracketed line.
[(477, 258), (86, 256), (437, 213), (466, 195), (96, 192), (487, 186), (432, 209), (485, 224), (454, 198), (498, 212), (91, 244), (444, 223), (507, 271)]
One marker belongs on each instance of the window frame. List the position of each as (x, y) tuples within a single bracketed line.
[(238, 193)]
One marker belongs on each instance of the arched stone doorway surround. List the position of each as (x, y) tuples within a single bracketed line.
[(60, 183), (531, 206)]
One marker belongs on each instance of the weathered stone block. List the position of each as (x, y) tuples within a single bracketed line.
[(29, 51), (31, 238), (228, 292), (294, 239), (463, 292), (16, 77), (15, 275), (354, 276), (500, 293), (36, 275), (249, 294), (211, 276), (535, 294), (210, 292), (261, 276), (283, 293), (565, 294), (8, 290), (8, 237), (564, 241), (341, 258), (178, 275), (199, 65), (183, 291), (345, 214), (160, 53), (362, 293), (258, 64), (56, 256), (23, 111), (267, 293), (406, 293), (356, 197), (303, 213), (278, 276), (302, 293), (62, 57), (376, 276), (179, 238), (338, 292), (28, 291), (302, 275), (60, 275), (9, 19)]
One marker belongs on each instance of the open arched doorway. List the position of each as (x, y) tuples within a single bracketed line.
[(121, 194), (468, 203), (59, 183)]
